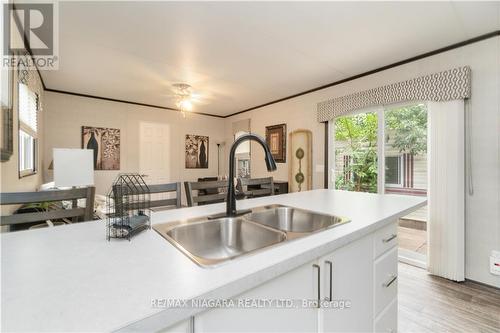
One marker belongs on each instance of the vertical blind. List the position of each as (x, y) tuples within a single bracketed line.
[(28, 107), (446, 194)]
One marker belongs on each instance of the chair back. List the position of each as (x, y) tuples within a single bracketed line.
[(16, 198), (166, 203), (257, 187), (119, 192), (211, 188)]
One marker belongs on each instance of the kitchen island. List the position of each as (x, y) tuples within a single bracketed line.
[(70, 278)]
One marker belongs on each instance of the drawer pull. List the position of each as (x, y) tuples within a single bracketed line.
[(390, 281), (329, 263), (388, 239), (191, 324), (319, 284)]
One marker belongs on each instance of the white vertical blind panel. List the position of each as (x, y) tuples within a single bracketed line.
[(28, 108), (446, 196)]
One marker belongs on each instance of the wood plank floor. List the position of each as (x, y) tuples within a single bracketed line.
[(432, 304)]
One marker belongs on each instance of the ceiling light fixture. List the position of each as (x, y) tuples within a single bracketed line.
[(183, 96)]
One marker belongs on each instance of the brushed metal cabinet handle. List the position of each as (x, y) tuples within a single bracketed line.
[(319, 284), (329, 263), (388, 239), (191, 324), (390, 281)]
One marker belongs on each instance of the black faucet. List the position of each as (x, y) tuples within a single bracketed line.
[(270, 163)]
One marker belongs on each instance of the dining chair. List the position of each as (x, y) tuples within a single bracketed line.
[(207, 192), (257, 187), (42, 200)]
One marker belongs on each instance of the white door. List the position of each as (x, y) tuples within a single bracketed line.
[(351, 280), (154, 156)]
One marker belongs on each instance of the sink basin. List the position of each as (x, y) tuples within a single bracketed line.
[(208, 243), (293, 219)]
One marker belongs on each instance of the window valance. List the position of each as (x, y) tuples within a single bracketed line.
[(452, 84)]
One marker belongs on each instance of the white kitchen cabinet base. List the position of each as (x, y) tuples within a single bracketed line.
[(360, 276), (387, 321), (182, 327), (296, 285)]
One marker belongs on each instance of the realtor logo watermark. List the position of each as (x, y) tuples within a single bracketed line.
[(250, 303), (31, 26)]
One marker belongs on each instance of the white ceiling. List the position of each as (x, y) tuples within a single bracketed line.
[(237, 55)]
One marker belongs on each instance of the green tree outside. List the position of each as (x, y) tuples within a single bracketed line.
[(407, 125)]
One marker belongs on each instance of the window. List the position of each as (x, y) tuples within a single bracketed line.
[(397, 134), (355, 156), (393, 170), (28, 130), (405, 149), (242, 156)]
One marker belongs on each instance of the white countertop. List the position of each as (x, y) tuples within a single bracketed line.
[(70, 278)]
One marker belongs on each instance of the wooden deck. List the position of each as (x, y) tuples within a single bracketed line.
[(419, 215), (412, 231), (412, 239), (432, 304)]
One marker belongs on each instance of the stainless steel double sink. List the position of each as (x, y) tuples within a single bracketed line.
[(209, 242)]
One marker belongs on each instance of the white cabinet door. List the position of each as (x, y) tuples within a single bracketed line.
[(351, 282), (182, 327), (299, 284)]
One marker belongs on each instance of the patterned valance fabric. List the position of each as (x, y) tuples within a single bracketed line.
[(448, 85), (31, 78)]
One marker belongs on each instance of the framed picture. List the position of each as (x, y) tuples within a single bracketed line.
[(7, 117), (276, 139), (105, 142), (196, 147)]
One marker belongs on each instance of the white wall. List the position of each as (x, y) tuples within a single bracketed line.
[(66, 114), (483, 208)]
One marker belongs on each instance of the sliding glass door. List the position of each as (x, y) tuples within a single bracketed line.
[(384, 150), (405, 155)]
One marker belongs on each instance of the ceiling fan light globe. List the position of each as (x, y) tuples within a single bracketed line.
[(186, 105)]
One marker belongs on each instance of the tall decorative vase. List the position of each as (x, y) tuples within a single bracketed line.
[(94, 145), (203, 156)]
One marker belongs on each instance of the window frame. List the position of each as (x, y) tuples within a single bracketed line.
[(22, 127)]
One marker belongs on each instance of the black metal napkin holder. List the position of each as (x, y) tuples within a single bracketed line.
[(128, 204)]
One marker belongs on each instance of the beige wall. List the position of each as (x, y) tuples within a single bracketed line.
[(482, 208), (10, 181), (66, 114)]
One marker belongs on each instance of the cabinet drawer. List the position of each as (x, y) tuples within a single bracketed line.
[(387, 322), (386, 283), (385, 238)]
